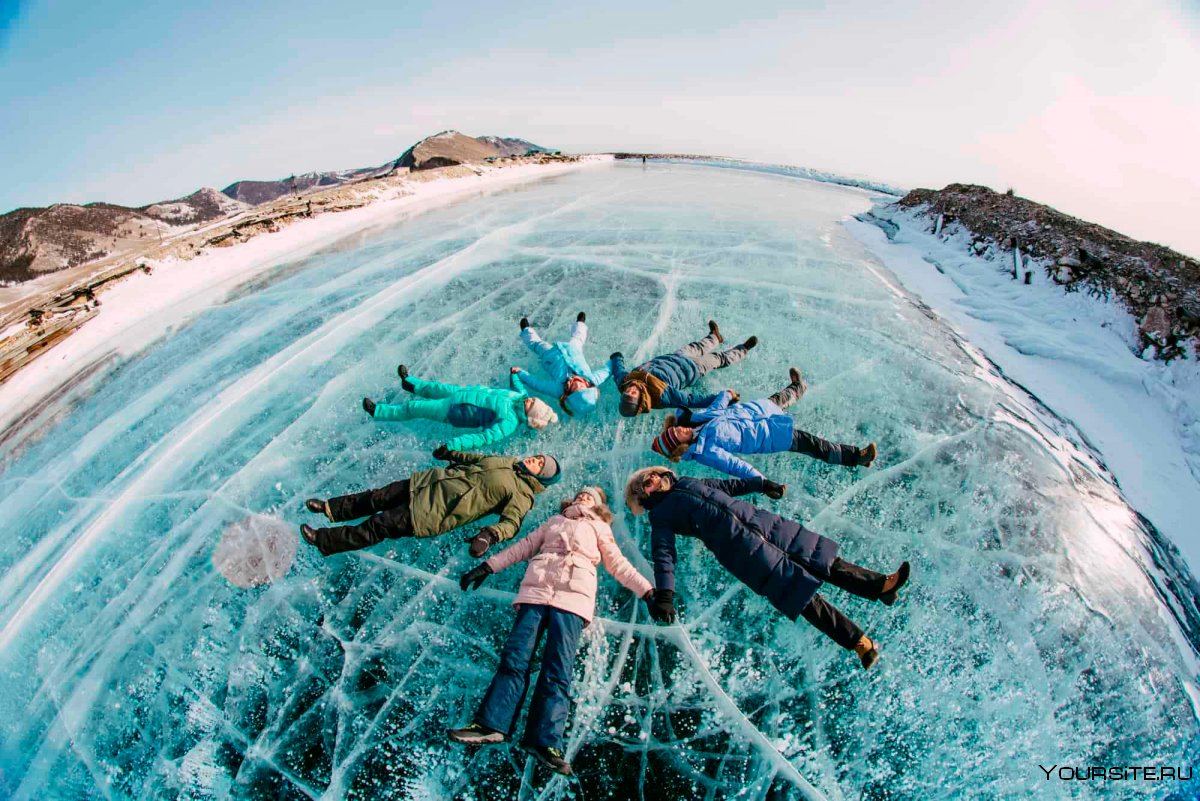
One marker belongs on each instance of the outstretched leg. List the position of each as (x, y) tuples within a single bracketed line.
[(826, 451), (408, 410), (552, 695), (701, 347), (832, 622), (361, 504), (500, 706), (389, 524), (535, 343), (792, 392), (431, 389), (579, 332)]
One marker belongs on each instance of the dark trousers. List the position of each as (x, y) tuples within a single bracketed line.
[(823, 449), (552, 695), (830, 620), (702, 352), (390, 517)]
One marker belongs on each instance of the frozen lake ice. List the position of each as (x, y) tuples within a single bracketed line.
[(1038, 628)]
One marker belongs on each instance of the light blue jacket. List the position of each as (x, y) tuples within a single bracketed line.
[(563, 360), (757, 426)]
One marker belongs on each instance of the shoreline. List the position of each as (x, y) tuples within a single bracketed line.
[(140, 307)]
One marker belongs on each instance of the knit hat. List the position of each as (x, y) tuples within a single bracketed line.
[(540, 415), (666, 443), (583, 401), (596, 493), (551, 471)]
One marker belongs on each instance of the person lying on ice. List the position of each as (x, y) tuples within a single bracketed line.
[(432, 502), (712, 436), (775, 557), (575, 384), (498, 412), (657, 384), (557, 597)]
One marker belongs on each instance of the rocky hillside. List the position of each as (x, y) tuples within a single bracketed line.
[(203, 205), (1160, 286), (257, 192), (446, 149), (511, 146)]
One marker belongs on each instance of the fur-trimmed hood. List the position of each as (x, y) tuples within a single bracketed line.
[(633, 487)]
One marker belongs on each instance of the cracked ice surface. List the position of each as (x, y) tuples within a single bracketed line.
[(1037, 629)]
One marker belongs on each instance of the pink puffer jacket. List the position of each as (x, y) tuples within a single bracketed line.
[(563, 553)]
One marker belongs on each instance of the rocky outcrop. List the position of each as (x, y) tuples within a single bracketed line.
[(445, 149), (511, 146), (255, 193), (1159, 286)]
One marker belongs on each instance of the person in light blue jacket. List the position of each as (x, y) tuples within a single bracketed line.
[(572, 380), (726, 427)]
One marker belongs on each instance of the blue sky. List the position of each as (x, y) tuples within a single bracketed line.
[(1091, 107)]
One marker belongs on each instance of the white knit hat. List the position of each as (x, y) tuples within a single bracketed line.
[(596, 493), (540, 415)]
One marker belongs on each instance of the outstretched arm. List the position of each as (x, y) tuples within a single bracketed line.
[(616, 366), (726, 462), (514, 511), (537, 384), (736, 486), (521, 551), (620, 568), (673, 397), (662, 548)]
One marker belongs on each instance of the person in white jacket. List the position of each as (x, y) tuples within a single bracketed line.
[(557, 598)]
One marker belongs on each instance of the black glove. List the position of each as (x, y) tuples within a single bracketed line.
[(474, 577), (441, 452), (773, 490), (480, 543), (662, 608), (616, 355)]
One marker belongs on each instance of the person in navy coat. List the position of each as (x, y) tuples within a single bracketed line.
[(775, 557)]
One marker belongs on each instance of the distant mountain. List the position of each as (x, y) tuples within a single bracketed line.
[(445, 149), (203, 205), (511, 146), (257, 192)]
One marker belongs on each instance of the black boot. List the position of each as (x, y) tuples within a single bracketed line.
[(867, 455), (794, 375), (369, 406), (750, 343), (402, 371), (524, 323), (550, 757), (868, 652), (318, 507), (893, 583), (309, 533), (582, 318), (713, 328)]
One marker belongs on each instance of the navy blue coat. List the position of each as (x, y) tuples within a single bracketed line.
[(676, 371), (773, 556)]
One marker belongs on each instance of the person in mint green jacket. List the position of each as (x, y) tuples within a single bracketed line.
[(497, 413), (573, 381)]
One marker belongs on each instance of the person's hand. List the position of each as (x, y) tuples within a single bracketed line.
[(514, 370), (474, 577), (441, 452), (662, 606), (616, 355), (772, 489), (734, 397), (485, 539)]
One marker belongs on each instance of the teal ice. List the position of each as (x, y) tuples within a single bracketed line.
[(1045, 623)]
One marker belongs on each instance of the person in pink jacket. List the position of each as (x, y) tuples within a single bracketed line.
[(557, 598)]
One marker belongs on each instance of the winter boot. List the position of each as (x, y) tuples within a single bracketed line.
[(402, 371), (794, 375), (893, 583), (867, 651), (309, 533), (867, 455), (319, 507), (524, 323), (550, 757), (713, 328), (582, 318), (369, 406), (475, 734), (750, 343)]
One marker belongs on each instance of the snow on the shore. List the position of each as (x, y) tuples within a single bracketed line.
[(143, 307), (1076, 354)]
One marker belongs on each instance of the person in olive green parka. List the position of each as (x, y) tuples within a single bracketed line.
[(432, 502)]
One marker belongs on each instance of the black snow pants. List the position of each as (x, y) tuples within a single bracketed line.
[(830, 620), (390, 517)]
